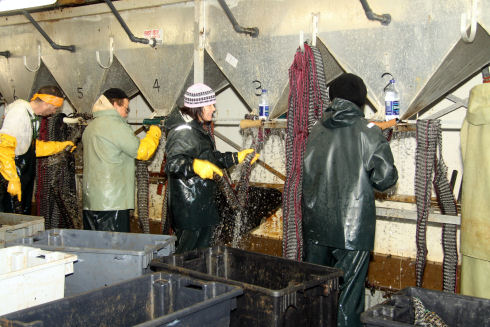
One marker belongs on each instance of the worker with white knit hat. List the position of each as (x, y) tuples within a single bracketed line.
[(192, 162)]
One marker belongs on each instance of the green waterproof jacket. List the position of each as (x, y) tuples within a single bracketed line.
[(191, 198), (475, 148), (346, 157), (109, 150)]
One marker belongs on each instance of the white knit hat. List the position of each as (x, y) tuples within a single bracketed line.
[(199, 95)]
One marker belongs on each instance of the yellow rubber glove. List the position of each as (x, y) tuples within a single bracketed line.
[(149, 144), (7, 164), (205, 169), (48, 148), (243, 154)]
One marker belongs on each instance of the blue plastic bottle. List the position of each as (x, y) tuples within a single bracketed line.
[(392, 101), (264, 105)]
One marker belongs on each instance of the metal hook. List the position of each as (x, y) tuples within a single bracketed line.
[(314, 32), (389, 74), (111, 54), (464, 26), (258, 87), (384, 74), (301, 41), (38, 61)]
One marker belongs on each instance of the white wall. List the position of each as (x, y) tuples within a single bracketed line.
[(396, 237)]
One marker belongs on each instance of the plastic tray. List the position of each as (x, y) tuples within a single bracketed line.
[(104, 257), (13, 226), (277, 291), (30, 276), (151, 300), (454, 309)]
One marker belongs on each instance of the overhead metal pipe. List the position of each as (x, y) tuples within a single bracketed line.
[(252, 31), (54, 45), (6, 54), (152, 42), (385, 19)]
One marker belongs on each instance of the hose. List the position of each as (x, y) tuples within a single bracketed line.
[(252, 31), (384, 19)]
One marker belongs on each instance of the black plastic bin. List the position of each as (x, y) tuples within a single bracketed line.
[(456, 310), (157, 299), (276, 291)]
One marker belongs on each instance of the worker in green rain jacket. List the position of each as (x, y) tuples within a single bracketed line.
[(346, 158), (192, 161), (109, 150)]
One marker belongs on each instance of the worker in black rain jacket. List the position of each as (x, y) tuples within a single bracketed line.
[(192, 161), (346, 158)]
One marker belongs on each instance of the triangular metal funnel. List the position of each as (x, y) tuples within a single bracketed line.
[(419, 43), (412, 48), (43, 78), (330, 64), (117, 77), (78, 75), (243, 59), (331, 68), (15, 80), (158, 73), (213, 77), (464, 60)]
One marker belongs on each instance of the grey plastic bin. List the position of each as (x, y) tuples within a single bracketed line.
[(456, 310), (152, 300), (14, 226), (276, 291), (104, 258)]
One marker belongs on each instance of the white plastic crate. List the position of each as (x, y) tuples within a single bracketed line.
[(31, 276), (13, 226), (104, 258)]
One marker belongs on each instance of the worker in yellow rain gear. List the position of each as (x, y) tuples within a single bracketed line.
[(19, 147)]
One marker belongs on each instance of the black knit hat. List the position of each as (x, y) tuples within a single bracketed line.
[(349, 87), (115, 94)]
